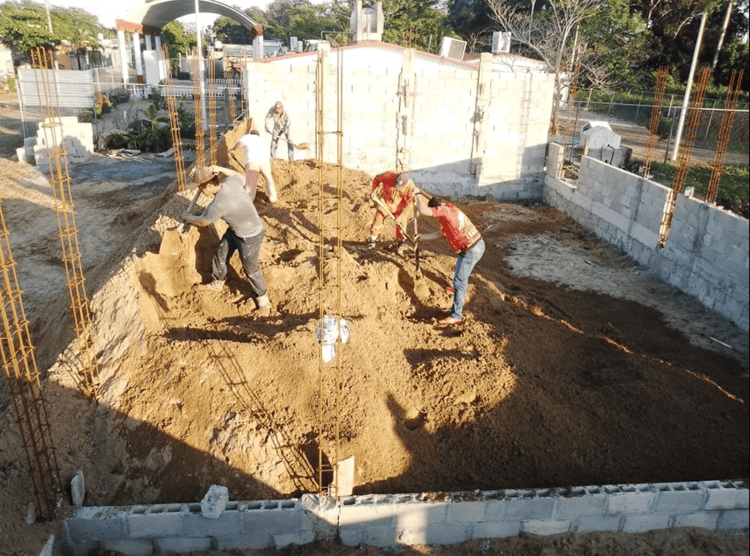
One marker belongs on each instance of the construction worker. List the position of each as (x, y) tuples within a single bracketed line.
[(464, 239), (277, 124), (395, 190), (256, 162), (244, 234)]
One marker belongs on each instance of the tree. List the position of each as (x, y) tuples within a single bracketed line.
[(25, 26), (415, 23), (177, 40), (548, 35), (310, 22), (229, 31)]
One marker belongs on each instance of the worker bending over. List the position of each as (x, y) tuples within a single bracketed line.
[(464, 239)]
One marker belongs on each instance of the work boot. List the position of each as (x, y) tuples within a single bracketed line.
[(400, 248), (262, 302), (215, 286), (372, 242)]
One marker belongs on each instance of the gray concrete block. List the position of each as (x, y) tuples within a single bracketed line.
[(679, 498), (733, 520), (78, 489), (180, 544), (645, 522), (496, 529), (256, 540), (196, 525), (629, 499), (143, 523), (545, 526), (214, 501), (130, 547), (442, 533), (297, 539), (705, 520), (95, 524), (522, 505), (588, 524), (579, 502)]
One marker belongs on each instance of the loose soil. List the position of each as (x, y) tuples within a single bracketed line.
[(573, 366)]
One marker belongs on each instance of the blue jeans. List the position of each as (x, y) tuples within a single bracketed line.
[(464, 265), (249, 249)]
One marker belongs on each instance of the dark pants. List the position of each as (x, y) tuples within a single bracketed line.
[(249, 249)]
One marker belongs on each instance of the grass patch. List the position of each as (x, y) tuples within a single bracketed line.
[(734, 187)]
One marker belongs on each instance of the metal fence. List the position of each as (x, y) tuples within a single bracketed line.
[(639, 114)]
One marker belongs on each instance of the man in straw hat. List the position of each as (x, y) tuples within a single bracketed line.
[(277, 124), (245, 233)]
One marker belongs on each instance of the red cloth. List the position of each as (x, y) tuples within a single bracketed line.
[(396, 200), (456, 227)]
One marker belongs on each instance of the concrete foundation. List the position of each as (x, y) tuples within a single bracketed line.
[(402, 519)]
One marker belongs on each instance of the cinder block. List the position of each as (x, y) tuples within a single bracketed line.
[(545, 526), (679, 498), (602, 523), (629, 499), (644, 522), (95, 524), (580, 501), (704, 520), (496, 529), (733, 519), (523, 505), (446, 533), (130, 547), (143, 523), (181, 544), (297, 539)]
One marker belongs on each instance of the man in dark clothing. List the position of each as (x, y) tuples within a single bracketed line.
[(244, 234)]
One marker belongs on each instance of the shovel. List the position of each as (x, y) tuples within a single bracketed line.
[(300, 146), (185, 225)]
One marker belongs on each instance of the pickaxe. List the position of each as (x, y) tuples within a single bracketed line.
[(387, 212)]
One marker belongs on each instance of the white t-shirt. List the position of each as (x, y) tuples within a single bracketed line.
[(255, 149)]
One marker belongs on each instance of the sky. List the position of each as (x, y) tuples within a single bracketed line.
[(109, 10)]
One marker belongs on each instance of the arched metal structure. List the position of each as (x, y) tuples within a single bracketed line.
[(152, 17)]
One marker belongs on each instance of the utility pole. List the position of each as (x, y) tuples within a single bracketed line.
[(685, 100), (721, 36)]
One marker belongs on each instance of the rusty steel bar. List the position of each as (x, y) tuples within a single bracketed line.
[(213, 153), (653, 128), (174, 126), (200, 147), (727, 119)]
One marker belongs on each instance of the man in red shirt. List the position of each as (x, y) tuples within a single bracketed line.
[(464, 239), (396, 191)]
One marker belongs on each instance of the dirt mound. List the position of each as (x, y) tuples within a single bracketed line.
[(543, 384)]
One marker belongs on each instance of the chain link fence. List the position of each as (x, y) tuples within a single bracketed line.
[(636, 116)]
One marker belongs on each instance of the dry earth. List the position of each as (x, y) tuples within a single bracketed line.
[(572, 366)]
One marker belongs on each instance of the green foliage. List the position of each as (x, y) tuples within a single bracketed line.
[(25, 26), (734, 188), (177, 40), (415, 23), (10, 83), (229, 31)]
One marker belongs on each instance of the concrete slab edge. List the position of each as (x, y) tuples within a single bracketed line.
[(403, 519)]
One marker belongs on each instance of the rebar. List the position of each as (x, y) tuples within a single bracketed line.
[(653, 128), (683, 158), (213, 153), (329, 384), (174, 126), (71, 254), (25, 387), (727, 119), (200, 152)]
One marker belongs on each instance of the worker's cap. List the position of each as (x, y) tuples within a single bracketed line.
[(402, 179), (203, 175)]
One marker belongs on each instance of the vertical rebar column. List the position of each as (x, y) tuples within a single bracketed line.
[(727, 119), (683, 159), (200, 147), (653, 128), (25, 387), (214, 156), (71, 254), (174, 126)]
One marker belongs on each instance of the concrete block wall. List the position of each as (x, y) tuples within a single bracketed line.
[(706, 253), (402, 519), (423, 116)]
